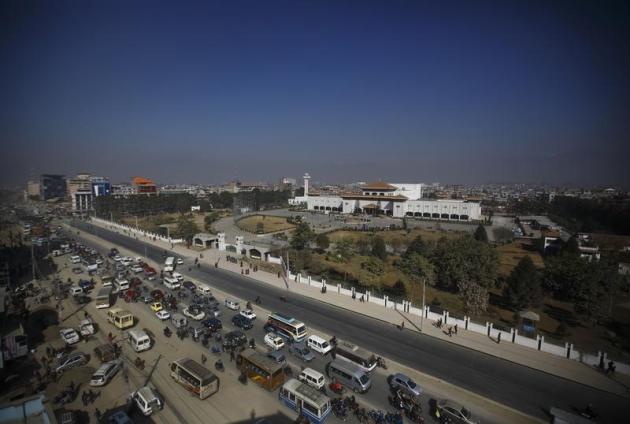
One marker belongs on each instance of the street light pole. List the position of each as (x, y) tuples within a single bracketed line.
[(423, 306)]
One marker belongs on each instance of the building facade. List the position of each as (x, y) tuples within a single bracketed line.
[(52, 186), (397, 200), (144, 186), (32, 189)]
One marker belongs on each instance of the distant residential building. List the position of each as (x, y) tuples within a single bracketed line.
[(82, 201), (79, 183), (52, 186), (101, 186), (32, 189), (589, 250), (144, 186), (289, 181), (122, 190)]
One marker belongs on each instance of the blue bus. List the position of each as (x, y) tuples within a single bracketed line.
[(305, 400)]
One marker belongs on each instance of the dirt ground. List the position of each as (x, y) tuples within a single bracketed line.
[(271, 224)]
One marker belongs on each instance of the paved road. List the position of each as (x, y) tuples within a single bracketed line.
[(522, 388)]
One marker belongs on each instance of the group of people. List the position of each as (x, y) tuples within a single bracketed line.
[(88, 397)]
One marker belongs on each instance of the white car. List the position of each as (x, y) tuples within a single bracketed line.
[(179, 277), (69, 336), (274, 341), (232, 304), (163, 315), (99, 262), (249, 314), (180, 261), (195, 313), (137, 269), (117, 258)]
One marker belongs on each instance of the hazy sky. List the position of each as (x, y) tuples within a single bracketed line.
[(413, 91)]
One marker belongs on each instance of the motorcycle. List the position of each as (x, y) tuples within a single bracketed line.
[(167, 332), (380, 362), (336, 387), (216, 349), (139, 363), (242, 378), (219, 366)]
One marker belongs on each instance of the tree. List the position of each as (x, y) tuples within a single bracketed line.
[(462, 259), (342, 251), (186, 228), (523, 285), (474, 296), (481, 234), (210, 219), (302, 236), (322, 241), (378, 248), (398, 289), (418, 246), (373, 265), (363, 246), (418, 268)]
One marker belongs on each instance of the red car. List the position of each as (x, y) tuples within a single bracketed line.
[(131, 295), (135, 282), (157, 295)]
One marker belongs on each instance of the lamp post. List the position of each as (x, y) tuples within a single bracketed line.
[(423, 305)]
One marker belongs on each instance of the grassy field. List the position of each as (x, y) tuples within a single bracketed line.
[(151, 223), (270, 224), (395, 236), (510, 254)]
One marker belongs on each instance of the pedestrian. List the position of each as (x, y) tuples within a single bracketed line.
[(86, 315), (98, 415), (231, 355), (84, 398), (499, 337), (611, 367), (450, 331), (402, 325), (455, 327), (203, 359)]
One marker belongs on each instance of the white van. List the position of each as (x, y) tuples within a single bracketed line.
[(148, 400), (121, 284), (76, 291), (171, 283), (319, 345), (139, 340), (312, 378), (75, 259), (203, 289), (169, 264)]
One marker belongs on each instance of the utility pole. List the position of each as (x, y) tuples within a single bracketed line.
[(33, 262), (423, 306), (152, 369)]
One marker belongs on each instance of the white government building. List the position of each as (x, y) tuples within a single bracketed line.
[(392, 199)]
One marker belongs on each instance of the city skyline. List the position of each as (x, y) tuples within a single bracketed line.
[(400, 91)]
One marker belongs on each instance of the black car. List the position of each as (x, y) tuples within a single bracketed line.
[(234, 339), (241, 322), (82, 300), (189, 285), (212, 324)]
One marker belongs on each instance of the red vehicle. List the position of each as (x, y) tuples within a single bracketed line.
[(157, 295), (131, 295), (135, 282)]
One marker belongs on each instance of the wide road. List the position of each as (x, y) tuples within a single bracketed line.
[(525, 389)]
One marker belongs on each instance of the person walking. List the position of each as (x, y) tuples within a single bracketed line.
[(402, 325), (455, 328), (203, 359)]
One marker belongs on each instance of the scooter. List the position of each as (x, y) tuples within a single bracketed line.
[(167, 332), (219, 366), (242, 378)]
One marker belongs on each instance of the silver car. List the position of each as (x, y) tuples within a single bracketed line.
[(448, 411), (75, 359), (402, 381)]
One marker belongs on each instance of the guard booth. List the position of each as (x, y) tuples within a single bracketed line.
[(529, 321)]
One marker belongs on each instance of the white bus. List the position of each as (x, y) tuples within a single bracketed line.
[(305, 400), (104, 298), (195, 377), (353, 353), (287, 327), (169, 264)]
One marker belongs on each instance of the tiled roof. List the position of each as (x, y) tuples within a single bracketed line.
[(378, 185)]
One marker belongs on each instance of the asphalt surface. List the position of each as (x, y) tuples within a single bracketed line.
[(530, 391)]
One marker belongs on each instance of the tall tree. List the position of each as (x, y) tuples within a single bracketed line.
[(523, 287), (418, 246), (481, 234), (186, 227), (418, 268), (302, 236), (378, 248), (474, 296), (342, 251), (322, 241)]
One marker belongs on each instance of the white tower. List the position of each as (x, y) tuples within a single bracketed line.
[(306, 178)]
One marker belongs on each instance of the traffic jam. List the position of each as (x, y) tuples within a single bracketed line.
[(317, 377)]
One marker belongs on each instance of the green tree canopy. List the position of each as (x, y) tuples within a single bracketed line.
[(342, 252), (186, 227), (322, 241), (210, 219), (481, 234), (302, 236), (462, 259), (378, 248), (418, 246), (418, 268), (524, 287)]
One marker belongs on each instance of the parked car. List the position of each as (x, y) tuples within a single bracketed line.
[(105, 373), (69, 336), (189, 285), (234, 339), (241, 322), (402, 381), (274, 341), (194, 313), (301, 351), (249, 314), (212, 324), (449, 411), (75, 359), (232, 304), (163, 315), (156, 306), (148, 400), (180, 261)]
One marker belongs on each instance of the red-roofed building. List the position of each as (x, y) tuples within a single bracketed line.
[(143, 185)]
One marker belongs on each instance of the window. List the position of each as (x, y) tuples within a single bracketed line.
[(310, 408)]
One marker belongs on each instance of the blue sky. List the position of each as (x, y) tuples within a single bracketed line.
[(451, 91)]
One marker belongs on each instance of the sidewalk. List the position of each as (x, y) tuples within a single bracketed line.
[(542, 361)]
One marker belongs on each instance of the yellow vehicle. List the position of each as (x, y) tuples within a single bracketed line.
[(120, 318), (261, 369), (156, 306)]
